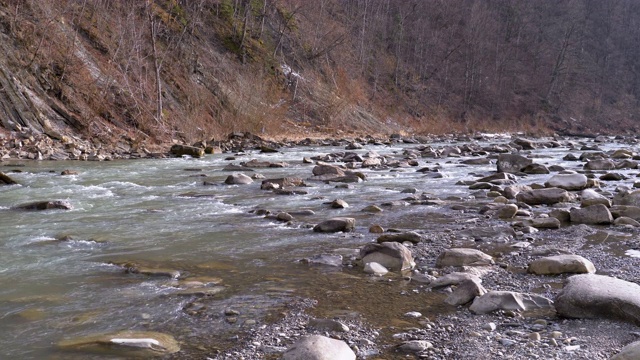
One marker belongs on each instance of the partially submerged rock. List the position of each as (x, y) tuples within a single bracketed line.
[(124, 343), (409, 236), (6, 180), (45, 205), (180, 150), (391, 255), (548, 196), (337, 224)]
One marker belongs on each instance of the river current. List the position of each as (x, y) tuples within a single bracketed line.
[(57, 274)]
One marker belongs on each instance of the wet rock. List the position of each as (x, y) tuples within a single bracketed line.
[(392, 255), (124, 343), (511, 191), (567, 181), (589, 197), (561, 264), (68, 172), (465, 292), (409, 236), (324, 259), (234, 167), (463, 257), (372, 209), (281, 183), (328, 325), (512, 163), (600, 164), (180, 150), (320, 170), (508, 300), (598, 296), (541, 223), (630, 198), (45, 205), (507, 211), (535, 169), (376, 229), (133, 268), (238, 179), (414, 346), (591, 215), (525, 144), (317, 347), (563, 215), (284, 216), (6, 180), (375, 269), (201, 291), (343, 224), (629, 352), (339, 204), (623, 220), (548, 196), (454, 278), (632, 212)]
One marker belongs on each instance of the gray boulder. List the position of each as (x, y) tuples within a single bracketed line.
[(591, 215), (409, 236), (600, 164), (338, 224), (561, 264), (535, 169), (589, 197), (454, 278), (317, 347), (463, 257), (512, 163), (629, 352), (547, 196), (508, 300), (630, 198), (45, 205), (238, 179), (465, 292), (598, 296), (623, 220), (567, 181), (507, 211), (391, 255), (632, 212), (180, 150), (324, 169)]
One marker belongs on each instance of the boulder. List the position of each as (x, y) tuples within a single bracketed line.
[(561, 264), (508, 300), (511, 191), (130, 344), (375, 269), (335, 225), (626, 211), (324, 259), (339, 204), (319, 170), (463, 257), (318, 347), (454, 278), (600, 164), (512, 163), (328, 325), (238, 179), (589, 197), (409, 236), (623, 220), (548, 196), (567, 181), (591, 215), (535, 169), (542, 223), (507, 211), (180, 150), (6, 180), (414, 346), (627, 197), (525, 144), (372, 209), (45, 205), (465, 292), (391, 255), (629, 352), (599, 296), (281, 183)]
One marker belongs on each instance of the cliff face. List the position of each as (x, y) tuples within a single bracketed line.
[(155, 70)]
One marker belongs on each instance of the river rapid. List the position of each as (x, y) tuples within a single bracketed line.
[(61, 273)]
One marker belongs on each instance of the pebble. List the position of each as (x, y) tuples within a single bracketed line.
[(534, 336), (413, 314)]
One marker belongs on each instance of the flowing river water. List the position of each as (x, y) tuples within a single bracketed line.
[(57, 274)]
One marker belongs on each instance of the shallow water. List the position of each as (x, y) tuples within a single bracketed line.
[(158, 214)]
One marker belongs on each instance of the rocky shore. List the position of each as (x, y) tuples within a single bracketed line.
[(515, 269)]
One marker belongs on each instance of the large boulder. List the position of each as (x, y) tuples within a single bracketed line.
[(600, 164), (535, 169), (508, 300), (127, 344), (391, 255), (463, 257), (525, 144), (632, 212), (45, 205), (631, 198), (629, 352), (591, 215), (336, 225), (561, 264), (409, 236), (567, 181), (548, 196), (180, 150), (6, 180), (599, 296), (512, 163), (325, 169), (318, 347), (238, 179), (281, 183), (589, 197), (465, 292)]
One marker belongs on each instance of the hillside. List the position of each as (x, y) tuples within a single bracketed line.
[(156, 70)]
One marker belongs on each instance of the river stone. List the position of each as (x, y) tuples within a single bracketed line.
[(339, 204), (392, 255), (625, 210), (280, 183), (511, 191), (409, 236), (324, 259), (131, 344), (414, 346), (6, 180), (535, 169), (598, 296), (238, 179), (454, 278), (623, 220), (600, 164), (375, 269), (629, 352), (344, 224), (180, 150), (567, 181), (328, 325), (508, 300), (372, 209), (320, 170), (45, 205), (591, 215), (317, 347), (463, 257), (507, 211), (548, 196), (543, 223), (630, 198), (465, 292), (512, 163), (590, 197), (561, 264), (563, 215)]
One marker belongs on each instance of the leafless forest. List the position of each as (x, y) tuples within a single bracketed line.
[(194, 69)]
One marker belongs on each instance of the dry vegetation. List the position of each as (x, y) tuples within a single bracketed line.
[(197, 69)]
